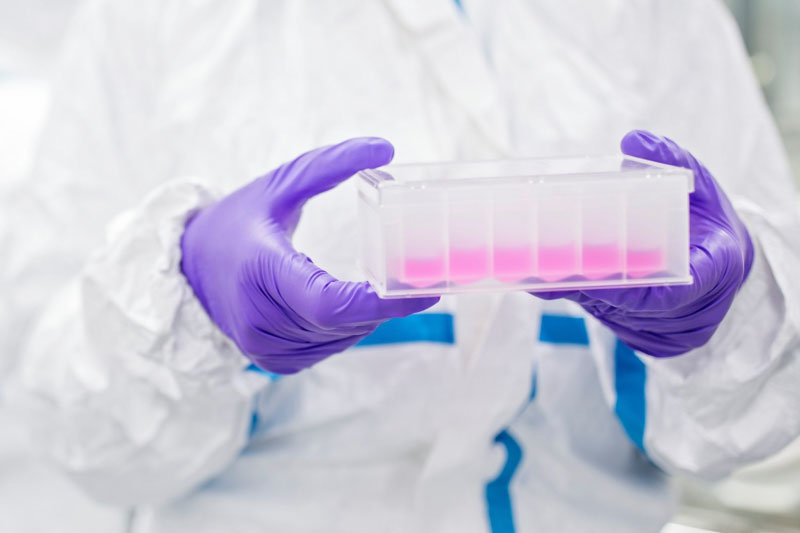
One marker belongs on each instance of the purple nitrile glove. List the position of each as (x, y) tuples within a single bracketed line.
[(283, 311), (672, 320)]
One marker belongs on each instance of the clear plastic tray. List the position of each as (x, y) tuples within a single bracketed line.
[(535, 224)]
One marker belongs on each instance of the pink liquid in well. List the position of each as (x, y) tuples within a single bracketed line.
[(512, 264), (469, 265), (557, 262), (601, 261), (423, 272), (645, 262)]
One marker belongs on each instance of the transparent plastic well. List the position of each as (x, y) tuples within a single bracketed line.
[(536, 224)]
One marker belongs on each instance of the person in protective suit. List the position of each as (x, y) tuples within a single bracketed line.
[(201, 349)]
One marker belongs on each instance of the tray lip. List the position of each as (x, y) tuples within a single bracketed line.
[(385, 293), (381, 179)]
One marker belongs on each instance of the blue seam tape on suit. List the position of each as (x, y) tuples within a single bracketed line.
[(630, 379), (630, 374), (422, 327), (560, 329), (498, 491), (271, 375), (498, 495)]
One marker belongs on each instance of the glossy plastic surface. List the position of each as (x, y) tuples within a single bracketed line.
[(538, 224)]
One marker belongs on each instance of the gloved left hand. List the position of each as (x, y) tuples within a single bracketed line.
[(671, 320), (283, 311)]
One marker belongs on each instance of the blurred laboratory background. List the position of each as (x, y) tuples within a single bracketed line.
[(763, 498), (771, 32), (766, 497)]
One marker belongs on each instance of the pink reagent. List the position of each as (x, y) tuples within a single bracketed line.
[(510, 264), (643, 263), (601, 261), (557, 262), (423, 272), (468, 266), (513, 264)]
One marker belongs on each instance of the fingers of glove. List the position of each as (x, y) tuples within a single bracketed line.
[(293, 361), (661, 299), (317, 171), (665, 345), (258, 342), (330, 304), (716, 267), (555, 295), (678, 322), (646, 145), (274, 323)]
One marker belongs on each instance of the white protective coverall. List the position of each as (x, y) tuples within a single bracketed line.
[(491, 412), (33, 497)]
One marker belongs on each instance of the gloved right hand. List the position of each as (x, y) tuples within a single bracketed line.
[(283, 311), (672, 320)]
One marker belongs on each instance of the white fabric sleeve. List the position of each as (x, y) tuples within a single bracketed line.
[(735, 400), (94, 158), (133, 390)]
